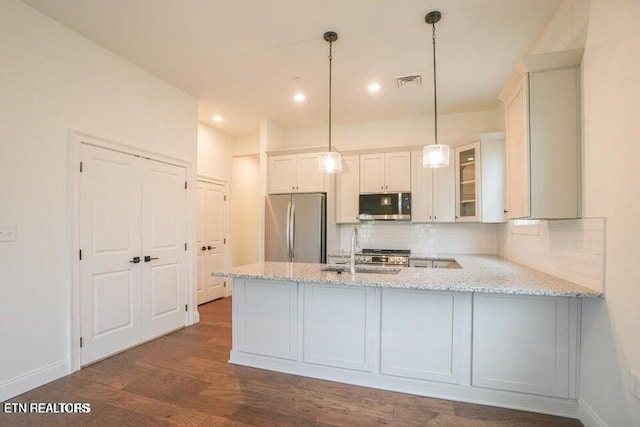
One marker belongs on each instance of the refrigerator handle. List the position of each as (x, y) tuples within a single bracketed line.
[(293, 230), (288, 232)]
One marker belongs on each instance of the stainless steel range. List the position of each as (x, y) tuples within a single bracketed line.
[(398, 257)]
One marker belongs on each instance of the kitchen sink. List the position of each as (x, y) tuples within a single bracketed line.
[(361, 269)]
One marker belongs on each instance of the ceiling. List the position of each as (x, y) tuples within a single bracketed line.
[(245, 59)]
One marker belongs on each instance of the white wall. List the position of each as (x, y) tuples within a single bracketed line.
[(569, 249), (611, 100), (428, 239), (611, 341), (452, 129), (245, 210), (246, 145), (53, 80), (214, 153)]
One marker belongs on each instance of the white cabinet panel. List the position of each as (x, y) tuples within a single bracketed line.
[(432, 192), (309, 179), (295, 174), (338, 326), (398, 171), (517, 150), (426, 335), (348, 190), (372, 173), (480, 180), (282, 174), (265, 316), (521, 343), (542, 120)]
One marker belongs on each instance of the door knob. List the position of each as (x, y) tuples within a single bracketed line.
[(204, 248), (135, 260), (148, 258), (211, 247)]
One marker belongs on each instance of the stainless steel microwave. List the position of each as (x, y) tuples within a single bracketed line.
[(386, 207)]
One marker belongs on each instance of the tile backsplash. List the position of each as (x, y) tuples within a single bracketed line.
[(570, 249), (424, 238)]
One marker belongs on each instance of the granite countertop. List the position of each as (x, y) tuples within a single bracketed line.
[(479, 273)]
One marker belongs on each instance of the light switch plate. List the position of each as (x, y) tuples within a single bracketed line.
[(8, 233), (635, 385)]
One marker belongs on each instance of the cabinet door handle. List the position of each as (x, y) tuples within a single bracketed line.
[(204, 248), (148, 258), (211, 247), (506, 211), (135, 260)]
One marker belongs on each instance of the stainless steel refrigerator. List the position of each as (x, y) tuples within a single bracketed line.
[(295, 228)]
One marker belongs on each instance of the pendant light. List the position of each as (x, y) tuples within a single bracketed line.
[(330, 161), (436, 155)]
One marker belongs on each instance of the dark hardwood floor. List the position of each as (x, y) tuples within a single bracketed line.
[(184, 378)]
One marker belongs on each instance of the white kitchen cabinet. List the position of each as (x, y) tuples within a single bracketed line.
[(480, 180), (295, 174), (542, 118), (265, 317), (348, 190), (339, 326), (432, 192), (385, 172), (426, 335), (525, 344)]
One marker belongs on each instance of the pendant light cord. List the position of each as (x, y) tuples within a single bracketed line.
[(435, 90), (330, 73)]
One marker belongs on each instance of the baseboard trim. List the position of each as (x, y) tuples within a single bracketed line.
[(588, 416), (463, 393), (33, 379)]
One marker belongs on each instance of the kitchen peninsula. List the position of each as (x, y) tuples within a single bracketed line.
[(492, 332)]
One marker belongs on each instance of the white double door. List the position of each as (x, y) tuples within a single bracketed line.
[(133, 261), (211, 241)]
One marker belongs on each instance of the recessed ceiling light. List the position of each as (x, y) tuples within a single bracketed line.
[(374, 87), (217, 118), (299, 97)]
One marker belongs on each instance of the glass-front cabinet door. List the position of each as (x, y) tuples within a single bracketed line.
[(467, 185)]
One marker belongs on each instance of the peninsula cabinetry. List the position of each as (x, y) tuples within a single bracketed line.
[(385, 172), (348, 190), (295, 174), (502, 349), (426, 335), (542, 119), (432, 192)]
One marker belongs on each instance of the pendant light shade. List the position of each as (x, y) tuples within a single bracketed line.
[(436, 155), (330, 161)]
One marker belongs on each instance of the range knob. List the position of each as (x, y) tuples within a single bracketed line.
[(367, 259)]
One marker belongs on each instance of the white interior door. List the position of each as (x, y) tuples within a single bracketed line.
[(201, 247), (215, 240), (164, 272), (110, 239)]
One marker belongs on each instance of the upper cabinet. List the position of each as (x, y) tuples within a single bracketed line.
[(432, 192), (542, 119), (295, 174), (348, 190), (480, 180), (385, 172)]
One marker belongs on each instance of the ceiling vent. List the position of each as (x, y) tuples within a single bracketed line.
[(415, 80)]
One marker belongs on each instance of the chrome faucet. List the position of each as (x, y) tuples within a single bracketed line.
[(354, 243)]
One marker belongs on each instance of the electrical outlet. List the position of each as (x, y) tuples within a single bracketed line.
[(8, 233), (635, 385)]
